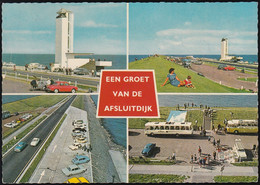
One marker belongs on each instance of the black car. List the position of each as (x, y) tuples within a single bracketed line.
[(148, 149), (81, 71)]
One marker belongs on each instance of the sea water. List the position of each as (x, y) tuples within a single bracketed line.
[(115, 126), (118, 61), (209, 100), (13, 98), (249, 58)]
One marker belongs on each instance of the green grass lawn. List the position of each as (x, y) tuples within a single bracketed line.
[(78, 102), (156, 178), (32, 103), (161, 67), (235, 179), (149, 161), (247, 163), (248, 79), (193, 115)]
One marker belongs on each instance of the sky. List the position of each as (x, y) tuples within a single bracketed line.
[(192, 28), (29, 28)]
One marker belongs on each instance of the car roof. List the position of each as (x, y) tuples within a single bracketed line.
[(149, 144), (73, 166), (81, 156)]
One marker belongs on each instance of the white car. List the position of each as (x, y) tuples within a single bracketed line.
[(35, 141), (81, 126), (76, 133), (77, 121), (75, 146), (73, 169), (12, 124)]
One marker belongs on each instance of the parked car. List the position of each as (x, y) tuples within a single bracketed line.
[(35, 141), (80, 129), (229, 68), (81, 71), (221, 66), (81, 139), (12, 124), (77, 180), (79, 159), (6, 114), (77, 121), (75, 146), (77, 133), (197, 62), (81, 126), (148, 149), (16, 113), (20, 147), (61, 86), (25, 117), (73, 169)]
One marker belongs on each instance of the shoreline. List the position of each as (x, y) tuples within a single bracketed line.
[(112, 144)]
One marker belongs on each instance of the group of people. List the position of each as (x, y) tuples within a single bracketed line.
[(175, 81), (201, 159)]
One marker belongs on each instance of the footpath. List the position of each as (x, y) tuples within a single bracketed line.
[(196, 174)]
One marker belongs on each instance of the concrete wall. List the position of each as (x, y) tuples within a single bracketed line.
[(77, 62)]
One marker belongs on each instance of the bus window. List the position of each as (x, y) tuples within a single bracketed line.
[(151, 128), (171, 127), (156, 128), (177, 128), (187, 128), (182, 128), (161, 128), (167, 128)]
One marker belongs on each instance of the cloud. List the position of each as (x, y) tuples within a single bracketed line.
[(39, 32), (93, 24)]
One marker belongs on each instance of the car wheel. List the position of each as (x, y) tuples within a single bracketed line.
[(73, 90), (236, 131), (56, 90)]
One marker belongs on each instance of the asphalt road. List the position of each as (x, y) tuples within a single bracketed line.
[(55, 77), (234, 64), (13, 163)]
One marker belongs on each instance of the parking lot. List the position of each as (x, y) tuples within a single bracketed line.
[(58, 155), (183, 146)]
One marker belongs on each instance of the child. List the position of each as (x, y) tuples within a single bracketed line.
[(188, 82)]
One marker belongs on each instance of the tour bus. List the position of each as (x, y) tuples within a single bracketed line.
[(242, 126), (175, 128)]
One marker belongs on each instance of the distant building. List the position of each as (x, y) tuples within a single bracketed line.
[(64, 56), (224, 51)]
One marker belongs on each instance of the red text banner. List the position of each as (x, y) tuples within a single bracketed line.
[(127, 93)]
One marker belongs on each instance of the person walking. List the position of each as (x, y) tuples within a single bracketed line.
[(214, 155), (199, 150), (191, 159), (195, 158)]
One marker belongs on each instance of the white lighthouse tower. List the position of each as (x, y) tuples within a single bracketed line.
[(224, 48), (64, 36)]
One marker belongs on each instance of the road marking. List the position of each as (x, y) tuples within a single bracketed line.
[(42, 174), (54, 148), (61, 133)]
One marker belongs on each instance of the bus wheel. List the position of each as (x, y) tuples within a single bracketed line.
[(151, 134), (177, 135), (236, 131)]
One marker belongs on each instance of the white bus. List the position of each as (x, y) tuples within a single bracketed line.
[(175, 128)]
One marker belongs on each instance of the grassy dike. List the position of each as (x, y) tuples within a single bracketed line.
[(156, 178), (161, 67), (193, 115), (38, 158), (30, 104), (78, 102)]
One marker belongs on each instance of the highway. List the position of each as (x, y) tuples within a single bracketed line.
[(13, 163), (56, 76), (234, 64)]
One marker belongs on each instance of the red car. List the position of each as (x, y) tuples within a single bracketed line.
[(61, 86), (229, 68)]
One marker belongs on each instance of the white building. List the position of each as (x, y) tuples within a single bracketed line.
[(224, 51), (64, 56)]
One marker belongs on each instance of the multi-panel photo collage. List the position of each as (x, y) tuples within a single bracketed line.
[(130, 92)]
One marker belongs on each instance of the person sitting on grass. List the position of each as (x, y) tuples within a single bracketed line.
[(188, 82), (174, 80)]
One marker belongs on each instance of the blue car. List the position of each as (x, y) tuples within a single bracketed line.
[(148, 149), (79, 159), (20, 147)]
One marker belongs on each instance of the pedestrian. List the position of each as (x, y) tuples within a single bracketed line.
[(52, 81), (192, 104), (208, 159), (195, 158), (173, 156), (200, 162), (204, 161), (204, 132), (209, 138), (214, 142), (191, 159), (214, 155), (199, 150)]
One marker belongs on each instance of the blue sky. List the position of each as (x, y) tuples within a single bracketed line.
[(99, 28), (192, 28)]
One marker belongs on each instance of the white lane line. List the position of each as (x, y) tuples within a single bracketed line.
[(42, 174), (61, 133), (54, 148)]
